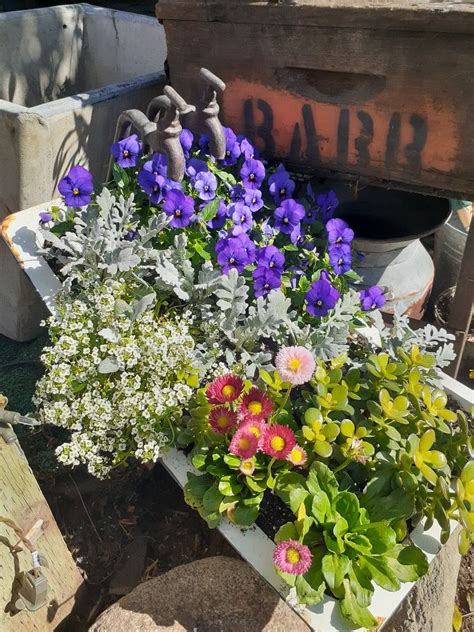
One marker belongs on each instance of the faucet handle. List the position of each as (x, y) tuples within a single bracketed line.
[(214, 82), (177, 101)]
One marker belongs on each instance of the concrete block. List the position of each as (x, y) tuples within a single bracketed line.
[(429, 605), (66, 73)]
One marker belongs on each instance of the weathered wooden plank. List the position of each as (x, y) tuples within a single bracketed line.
[(390, 105), (447, 17), (22, 501)]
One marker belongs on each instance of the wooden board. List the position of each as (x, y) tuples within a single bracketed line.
[(22, 501), (384, 91)]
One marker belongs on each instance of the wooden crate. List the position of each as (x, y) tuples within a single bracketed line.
[(383, 91)]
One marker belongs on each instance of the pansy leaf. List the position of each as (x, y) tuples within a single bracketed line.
[(210, 210)]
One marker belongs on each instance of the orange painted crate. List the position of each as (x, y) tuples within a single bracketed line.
[(382, 91)]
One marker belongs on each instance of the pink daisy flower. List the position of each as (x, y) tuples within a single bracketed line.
[(295, 365), (278, 441), (243, 444), (224, 389), (221, 419), (247, 466), (254, 426), (292, 557), (256, 405), (297, 456)]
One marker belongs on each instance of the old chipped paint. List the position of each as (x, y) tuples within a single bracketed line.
[(382, 134), (4, 231)]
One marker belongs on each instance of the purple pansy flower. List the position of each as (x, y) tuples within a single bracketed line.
[(252, 173), (253, 199), (237, 192), (158, 165), (152, 184), (45, 217), (339, 232), (231, 254), (131, 234), (186, 139), (310, 216), (373, 298), (247, 149), (266, 229), (242, 218), (340, 258), (232, 152), (280, 185), (127, 152), (327, 203), (179, 207), (288, 215), (204, 143), (265, 280), (249, 247), (321, 297), (205, 184), (194, 166), (217, 222), (270, 257), (76, 187), (297, 235)]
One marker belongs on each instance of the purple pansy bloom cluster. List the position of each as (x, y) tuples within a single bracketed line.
[(235, 252), (268, 244), (340, 237)]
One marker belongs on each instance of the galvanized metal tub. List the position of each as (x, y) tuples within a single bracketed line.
[(387, 248)]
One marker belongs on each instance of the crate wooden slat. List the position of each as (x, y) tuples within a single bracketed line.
[(384, 91)]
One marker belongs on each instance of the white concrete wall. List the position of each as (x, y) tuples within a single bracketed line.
[(40, 52), (112, 61)]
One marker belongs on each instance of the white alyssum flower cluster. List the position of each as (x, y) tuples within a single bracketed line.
[(118, 384)]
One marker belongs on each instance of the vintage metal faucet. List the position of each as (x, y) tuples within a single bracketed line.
[(206, 118), (160, 127)]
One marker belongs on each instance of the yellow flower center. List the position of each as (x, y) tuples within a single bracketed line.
[(292, 556), (125, 153), (247, 466), (294, 364), (222, 421), (244, 443), (255, 430), (228, 390), (278, 443), (75, 191), (296, 455), (255, 407)]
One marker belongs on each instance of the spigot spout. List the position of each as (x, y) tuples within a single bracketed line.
[(165, 111), (209, 113)]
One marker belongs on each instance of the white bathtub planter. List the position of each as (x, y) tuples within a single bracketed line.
[(66, 73), (427, 607)]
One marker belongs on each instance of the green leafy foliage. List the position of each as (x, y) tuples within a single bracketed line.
[(351, 551)]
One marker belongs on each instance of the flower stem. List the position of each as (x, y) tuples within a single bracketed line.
[(341, 466), (283, 402)]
